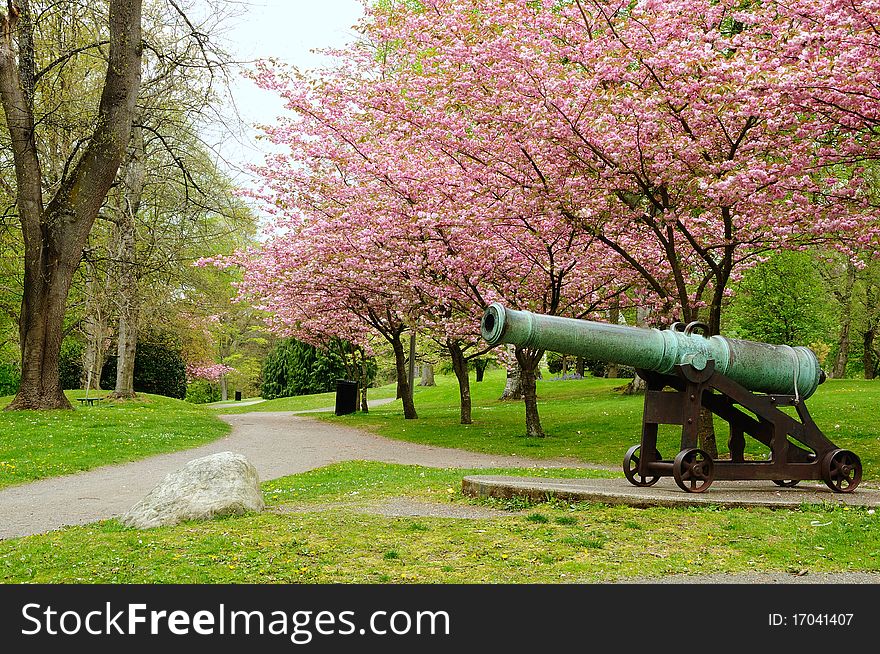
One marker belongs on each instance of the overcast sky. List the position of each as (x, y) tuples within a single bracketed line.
[(287, 30)]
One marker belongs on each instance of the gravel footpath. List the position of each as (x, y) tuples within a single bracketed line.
[(278, 444)]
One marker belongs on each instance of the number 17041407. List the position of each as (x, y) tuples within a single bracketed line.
[(811, 620)]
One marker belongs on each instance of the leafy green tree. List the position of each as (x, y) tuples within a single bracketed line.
[(783, 300), (297, 368), (864, 352), (55, 232)]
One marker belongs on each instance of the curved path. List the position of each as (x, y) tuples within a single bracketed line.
[(278, 444)]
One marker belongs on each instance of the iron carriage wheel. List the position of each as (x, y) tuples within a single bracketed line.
[(693, 470), (631, 467), (841, 471)]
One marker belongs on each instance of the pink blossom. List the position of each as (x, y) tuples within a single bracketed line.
[(556, 156), (208, 371)]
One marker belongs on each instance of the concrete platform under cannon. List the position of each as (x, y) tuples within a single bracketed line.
[(666, 493)]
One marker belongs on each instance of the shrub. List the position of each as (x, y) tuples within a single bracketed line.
[(70, 366), (10, 377), (554, 362), (200, 391), (158, 369), (297, 368), (597, 368)]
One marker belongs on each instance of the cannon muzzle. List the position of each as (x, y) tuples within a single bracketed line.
[(759, 367)]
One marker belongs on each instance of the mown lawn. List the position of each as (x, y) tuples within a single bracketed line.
[(313, 532), (316, 529), (39, 444), (299, 402), (591, 421)]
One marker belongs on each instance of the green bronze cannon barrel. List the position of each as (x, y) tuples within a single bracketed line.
[(759, 367)]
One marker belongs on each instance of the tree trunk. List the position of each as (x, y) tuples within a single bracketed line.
[(868, 358), (127, 206), (706, 434), (40, 330), (411, 363), (126, 350), (843, 339), (706, 430), (427, 375), (612, 371), (95, 329), (460, 367), (480, 367), (224, 388), (360, 363), (93, 354), (579, 365), (403, 388), (129, 312), (839, 369), (54, 235), (363, 391), (513, 387), (872, 301), (638, 385), (528, 362)]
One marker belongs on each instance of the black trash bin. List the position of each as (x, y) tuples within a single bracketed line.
[(346, 397), (238, 396)]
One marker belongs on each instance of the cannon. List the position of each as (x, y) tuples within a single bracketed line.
[(745, 383)]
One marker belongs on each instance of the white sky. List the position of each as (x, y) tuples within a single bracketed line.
[(287, 30)]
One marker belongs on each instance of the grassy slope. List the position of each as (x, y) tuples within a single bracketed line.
[(300, 402), (587, 419), (312, 534), (35, 445)]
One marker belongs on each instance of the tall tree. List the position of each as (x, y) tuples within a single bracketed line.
[(55, 233), (181, 90), (127, 205)]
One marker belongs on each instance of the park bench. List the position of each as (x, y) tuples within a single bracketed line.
[(89, 400)]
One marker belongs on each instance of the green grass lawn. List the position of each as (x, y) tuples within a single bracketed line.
[(39, 444), (316, 531), (589, 420), (300, 402), (313, 532)]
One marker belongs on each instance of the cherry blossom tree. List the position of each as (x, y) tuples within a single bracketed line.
[(833, 48), (556, 155), (413, 227), (667, 130), (676, 134)]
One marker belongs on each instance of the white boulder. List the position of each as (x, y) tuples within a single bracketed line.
[(220, 484)]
